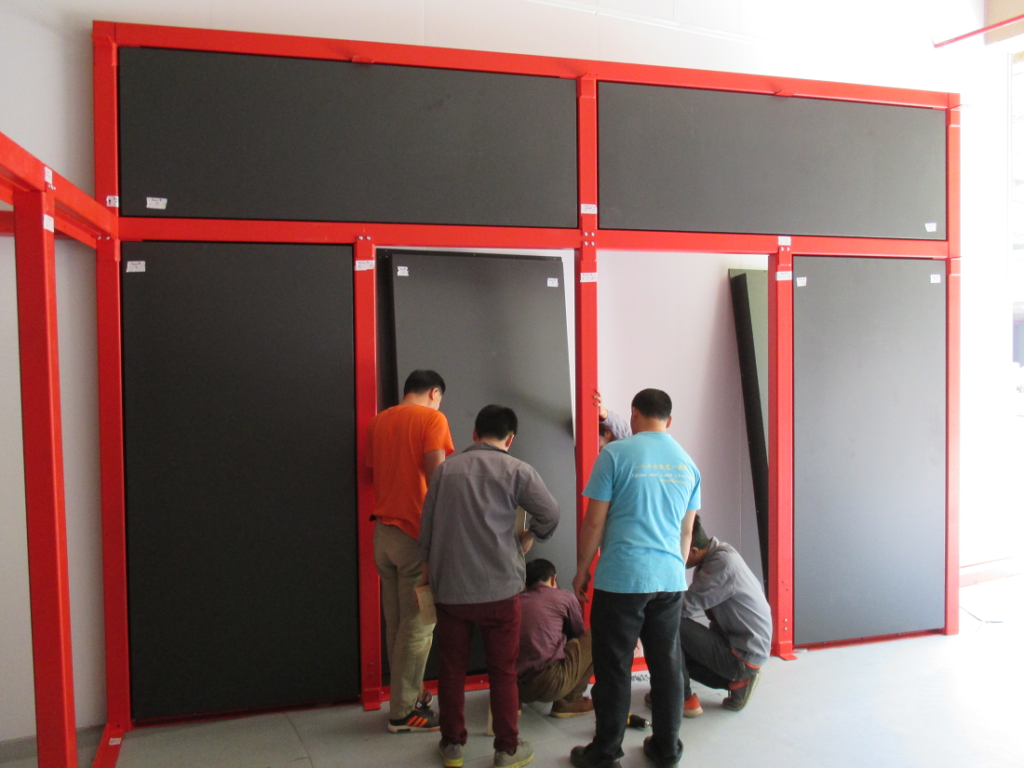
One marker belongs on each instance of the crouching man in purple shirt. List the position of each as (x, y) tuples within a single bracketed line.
[(555, 662), (473, 561)]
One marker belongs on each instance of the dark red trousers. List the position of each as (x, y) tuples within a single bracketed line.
[(499, 625)]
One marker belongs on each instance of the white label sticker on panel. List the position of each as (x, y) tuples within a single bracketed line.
[(930, 226), (936, 278), (588, 277), (552, 282), (780, 276), (588, 208), (48, 175), (135, 266), (157, 203), (113, 201), (785, 240), (403, 271), (48, 222), (801, 282), (364, 265), (115, 741)]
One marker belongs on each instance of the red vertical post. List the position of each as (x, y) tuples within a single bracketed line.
[(364, 286), (104, 113), (112, 491), (587, 444), (44, 478), (952, 625), (780, 449)]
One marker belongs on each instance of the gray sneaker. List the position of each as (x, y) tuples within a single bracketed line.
[(522, 756), (451, 754), (738, 699)]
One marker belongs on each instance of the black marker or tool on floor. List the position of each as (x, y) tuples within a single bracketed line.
[(635, 721)]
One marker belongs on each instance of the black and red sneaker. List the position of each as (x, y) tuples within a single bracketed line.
[(422, 718)]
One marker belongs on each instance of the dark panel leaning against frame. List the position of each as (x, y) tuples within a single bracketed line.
[(220, 135), (749, 289), (240, 476), (869, 447), (689, 160), (495, 328)]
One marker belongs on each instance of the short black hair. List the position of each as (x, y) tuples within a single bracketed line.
[(421, 381), (496, 421), (653, 403), (539, 570), (700, 539)]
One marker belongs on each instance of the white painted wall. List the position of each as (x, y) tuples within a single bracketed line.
[(45, 105), (665, 321)]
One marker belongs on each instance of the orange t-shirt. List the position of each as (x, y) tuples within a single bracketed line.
[(396, 440)]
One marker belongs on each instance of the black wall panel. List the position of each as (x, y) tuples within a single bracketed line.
[(680, 159), (220, 135), (240, 475), (495, 329), (870, 450)]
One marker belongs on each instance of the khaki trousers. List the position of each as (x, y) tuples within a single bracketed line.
[(565, 679), (408, 637)]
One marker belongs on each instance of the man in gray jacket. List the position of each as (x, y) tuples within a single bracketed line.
[(473, 561), (730, 653)]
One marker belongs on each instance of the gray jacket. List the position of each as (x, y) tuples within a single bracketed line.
[(467, 532), (732, 597)]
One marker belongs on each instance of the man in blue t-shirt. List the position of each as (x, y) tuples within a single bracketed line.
[(643, 494)]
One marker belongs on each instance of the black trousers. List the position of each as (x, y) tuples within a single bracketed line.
[(709, 657), (617, 620)]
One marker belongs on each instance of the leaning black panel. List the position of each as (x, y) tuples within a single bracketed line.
[(240, 476), (495, 328), (687, 160), (869, 447), (221, 135)]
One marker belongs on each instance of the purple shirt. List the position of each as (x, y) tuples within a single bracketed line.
[(551, 616)]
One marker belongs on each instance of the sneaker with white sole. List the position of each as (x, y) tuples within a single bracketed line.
[(421, 719), (451, 754), (522, 756)]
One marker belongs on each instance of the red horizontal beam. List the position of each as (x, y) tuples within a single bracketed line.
[(76, 213), (426, 235), (711, 242), (64, 226), (6, 222), (983, 30), (140, 35)]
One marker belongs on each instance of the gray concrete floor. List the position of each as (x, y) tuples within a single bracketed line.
[(930, 702)]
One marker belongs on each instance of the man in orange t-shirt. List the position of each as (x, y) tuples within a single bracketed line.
[(404, 445)]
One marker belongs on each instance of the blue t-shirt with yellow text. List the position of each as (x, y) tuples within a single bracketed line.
[(651, 482)]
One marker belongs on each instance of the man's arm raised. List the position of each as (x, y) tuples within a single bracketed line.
[(591, 534)]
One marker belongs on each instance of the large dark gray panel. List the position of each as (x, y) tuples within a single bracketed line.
[(681, 159), (236, 136), (870, 449), (496, 331), (240, 476), (749, 288)]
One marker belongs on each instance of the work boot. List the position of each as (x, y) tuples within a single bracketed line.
[(738, 697), (522, 756), (580, 758), (652, 753), (563, 708)]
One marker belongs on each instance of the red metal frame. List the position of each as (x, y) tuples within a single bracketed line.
[(586, 240), (45, 204)]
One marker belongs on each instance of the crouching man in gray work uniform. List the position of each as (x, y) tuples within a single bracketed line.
[(728, 654)]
